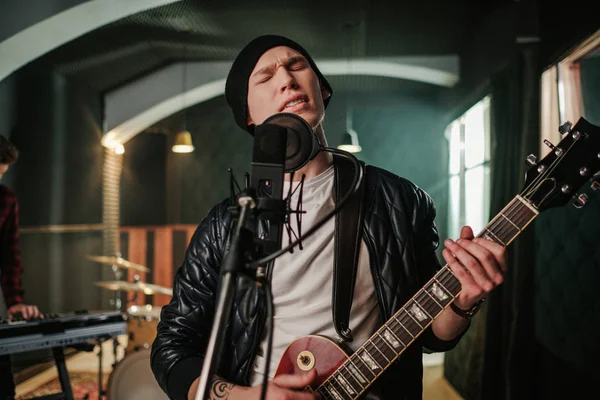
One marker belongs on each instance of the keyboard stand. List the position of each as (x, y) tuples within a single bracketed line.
[(63, 376)]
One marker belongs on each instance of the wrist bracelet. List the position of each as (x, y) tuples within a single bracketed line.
[(468, 314)]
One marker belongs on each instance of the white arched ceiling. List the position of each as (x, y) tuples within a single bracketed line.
[(134, 107), (65, 26)]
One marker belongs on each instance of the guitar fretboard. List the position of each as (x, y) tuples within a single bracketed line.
[(369, 361)]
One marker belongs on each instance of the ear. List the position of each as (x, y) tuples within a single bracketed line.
[(325, 93)]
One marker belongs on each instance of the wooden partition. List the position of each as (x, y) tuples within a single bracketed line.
[(161, 249)]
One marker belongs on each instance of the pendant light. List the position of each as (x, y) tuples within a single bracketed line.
[(183, 139)]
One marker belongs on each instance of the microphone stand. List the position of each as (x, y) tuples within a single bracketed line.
[(233, 263)]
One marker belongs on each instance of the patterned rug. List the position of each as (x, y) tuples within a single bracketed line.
[(84, 385)]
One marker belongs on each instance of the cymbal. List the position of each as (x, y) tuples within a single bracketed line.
[(118, 261), (147, 288)]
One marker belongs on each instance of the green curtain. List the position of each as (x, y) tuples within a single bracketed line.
[(495, 358)]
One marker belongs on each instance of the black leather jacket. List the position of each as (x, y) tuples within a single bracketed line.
[(401, 236)]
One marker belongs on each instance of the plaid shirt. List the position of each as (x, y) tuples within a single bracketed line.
[(10, 253)]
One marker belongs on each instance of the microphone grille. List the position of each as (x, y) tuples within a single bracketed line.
[(270, 143)]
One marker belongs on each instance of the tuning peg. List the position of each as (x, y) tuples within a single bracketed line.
[(564, 128), (557, 150), (584, 171), (580, 200), (531, 160), (595, 183), (549, 144)]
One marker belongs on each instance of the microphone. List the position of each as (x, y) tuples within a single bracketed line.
[(283, 143), (266, 179)]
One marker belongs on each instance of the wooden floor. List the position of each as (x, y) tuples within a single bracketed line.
[(435, 386)]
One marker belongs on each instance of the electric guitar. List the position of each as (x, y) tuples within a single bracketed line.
[(551, 182)]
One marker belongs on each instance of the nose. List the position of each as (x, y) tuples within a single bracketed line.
[(287, 80)]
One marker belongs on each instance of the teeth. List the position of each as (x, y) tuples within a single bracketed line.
[(293, 103)]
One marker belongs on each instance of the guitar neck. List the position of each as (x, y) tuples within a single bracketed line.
[(369, 361)]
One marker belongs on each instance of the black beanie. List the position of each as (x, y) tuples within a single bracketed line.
[(236, 86)]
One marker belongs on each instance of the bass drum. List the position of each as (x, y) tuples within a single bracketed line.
[(132, 379), (142, 323)]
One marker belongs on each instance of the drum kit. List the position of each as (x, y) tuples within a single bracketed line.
[(131, 377)]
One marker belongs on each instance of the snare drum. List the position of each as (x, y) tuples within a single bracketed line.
[(132, 379), (142, 322)]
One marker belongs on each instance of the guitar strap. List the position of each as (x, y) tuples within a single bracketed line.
[(347, 238)]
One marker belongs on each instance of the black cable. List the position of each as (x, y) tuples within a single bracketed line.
[(355, 184)]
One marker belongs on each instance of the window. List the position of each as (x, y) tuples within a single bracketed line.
[(469, 181), (569, 89)]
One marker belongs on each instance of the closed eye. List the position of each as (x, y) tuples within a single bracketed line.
[(297, 64)]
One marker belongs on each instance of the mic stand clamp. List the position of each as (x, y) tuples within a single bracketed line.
[(233, 263)]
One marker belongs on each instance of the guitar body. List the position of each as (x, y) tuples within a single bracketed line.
[(310, 352)]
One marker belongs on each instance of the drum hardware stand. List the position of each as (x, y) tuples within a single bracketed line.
[(101, 391), (136, 279), (118, 303), (116, 345), (118, 275)]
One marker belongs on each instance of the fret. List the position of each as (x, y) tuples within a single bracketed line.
[(364, 369), (499, 224), (401, 330), (376, 353), (509, 221), (418, 312), (510, 230), (449, 281), (356, 373), (352, 378), (490, 235), (367, 358), (412, 321), (409, 323), (333, 393), (392, 339), (384, 347), (520, 215), (503, 230), (322, 390), (343, 383), (524, 202), (527, 212), (438, 290), (429, 303), (338, 389)]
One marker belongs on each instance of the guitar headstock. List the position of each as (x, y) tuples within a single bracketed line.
[(555, 180)]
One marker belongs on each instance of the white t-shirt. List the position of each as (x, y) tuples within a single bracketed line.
[(302, 281)]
